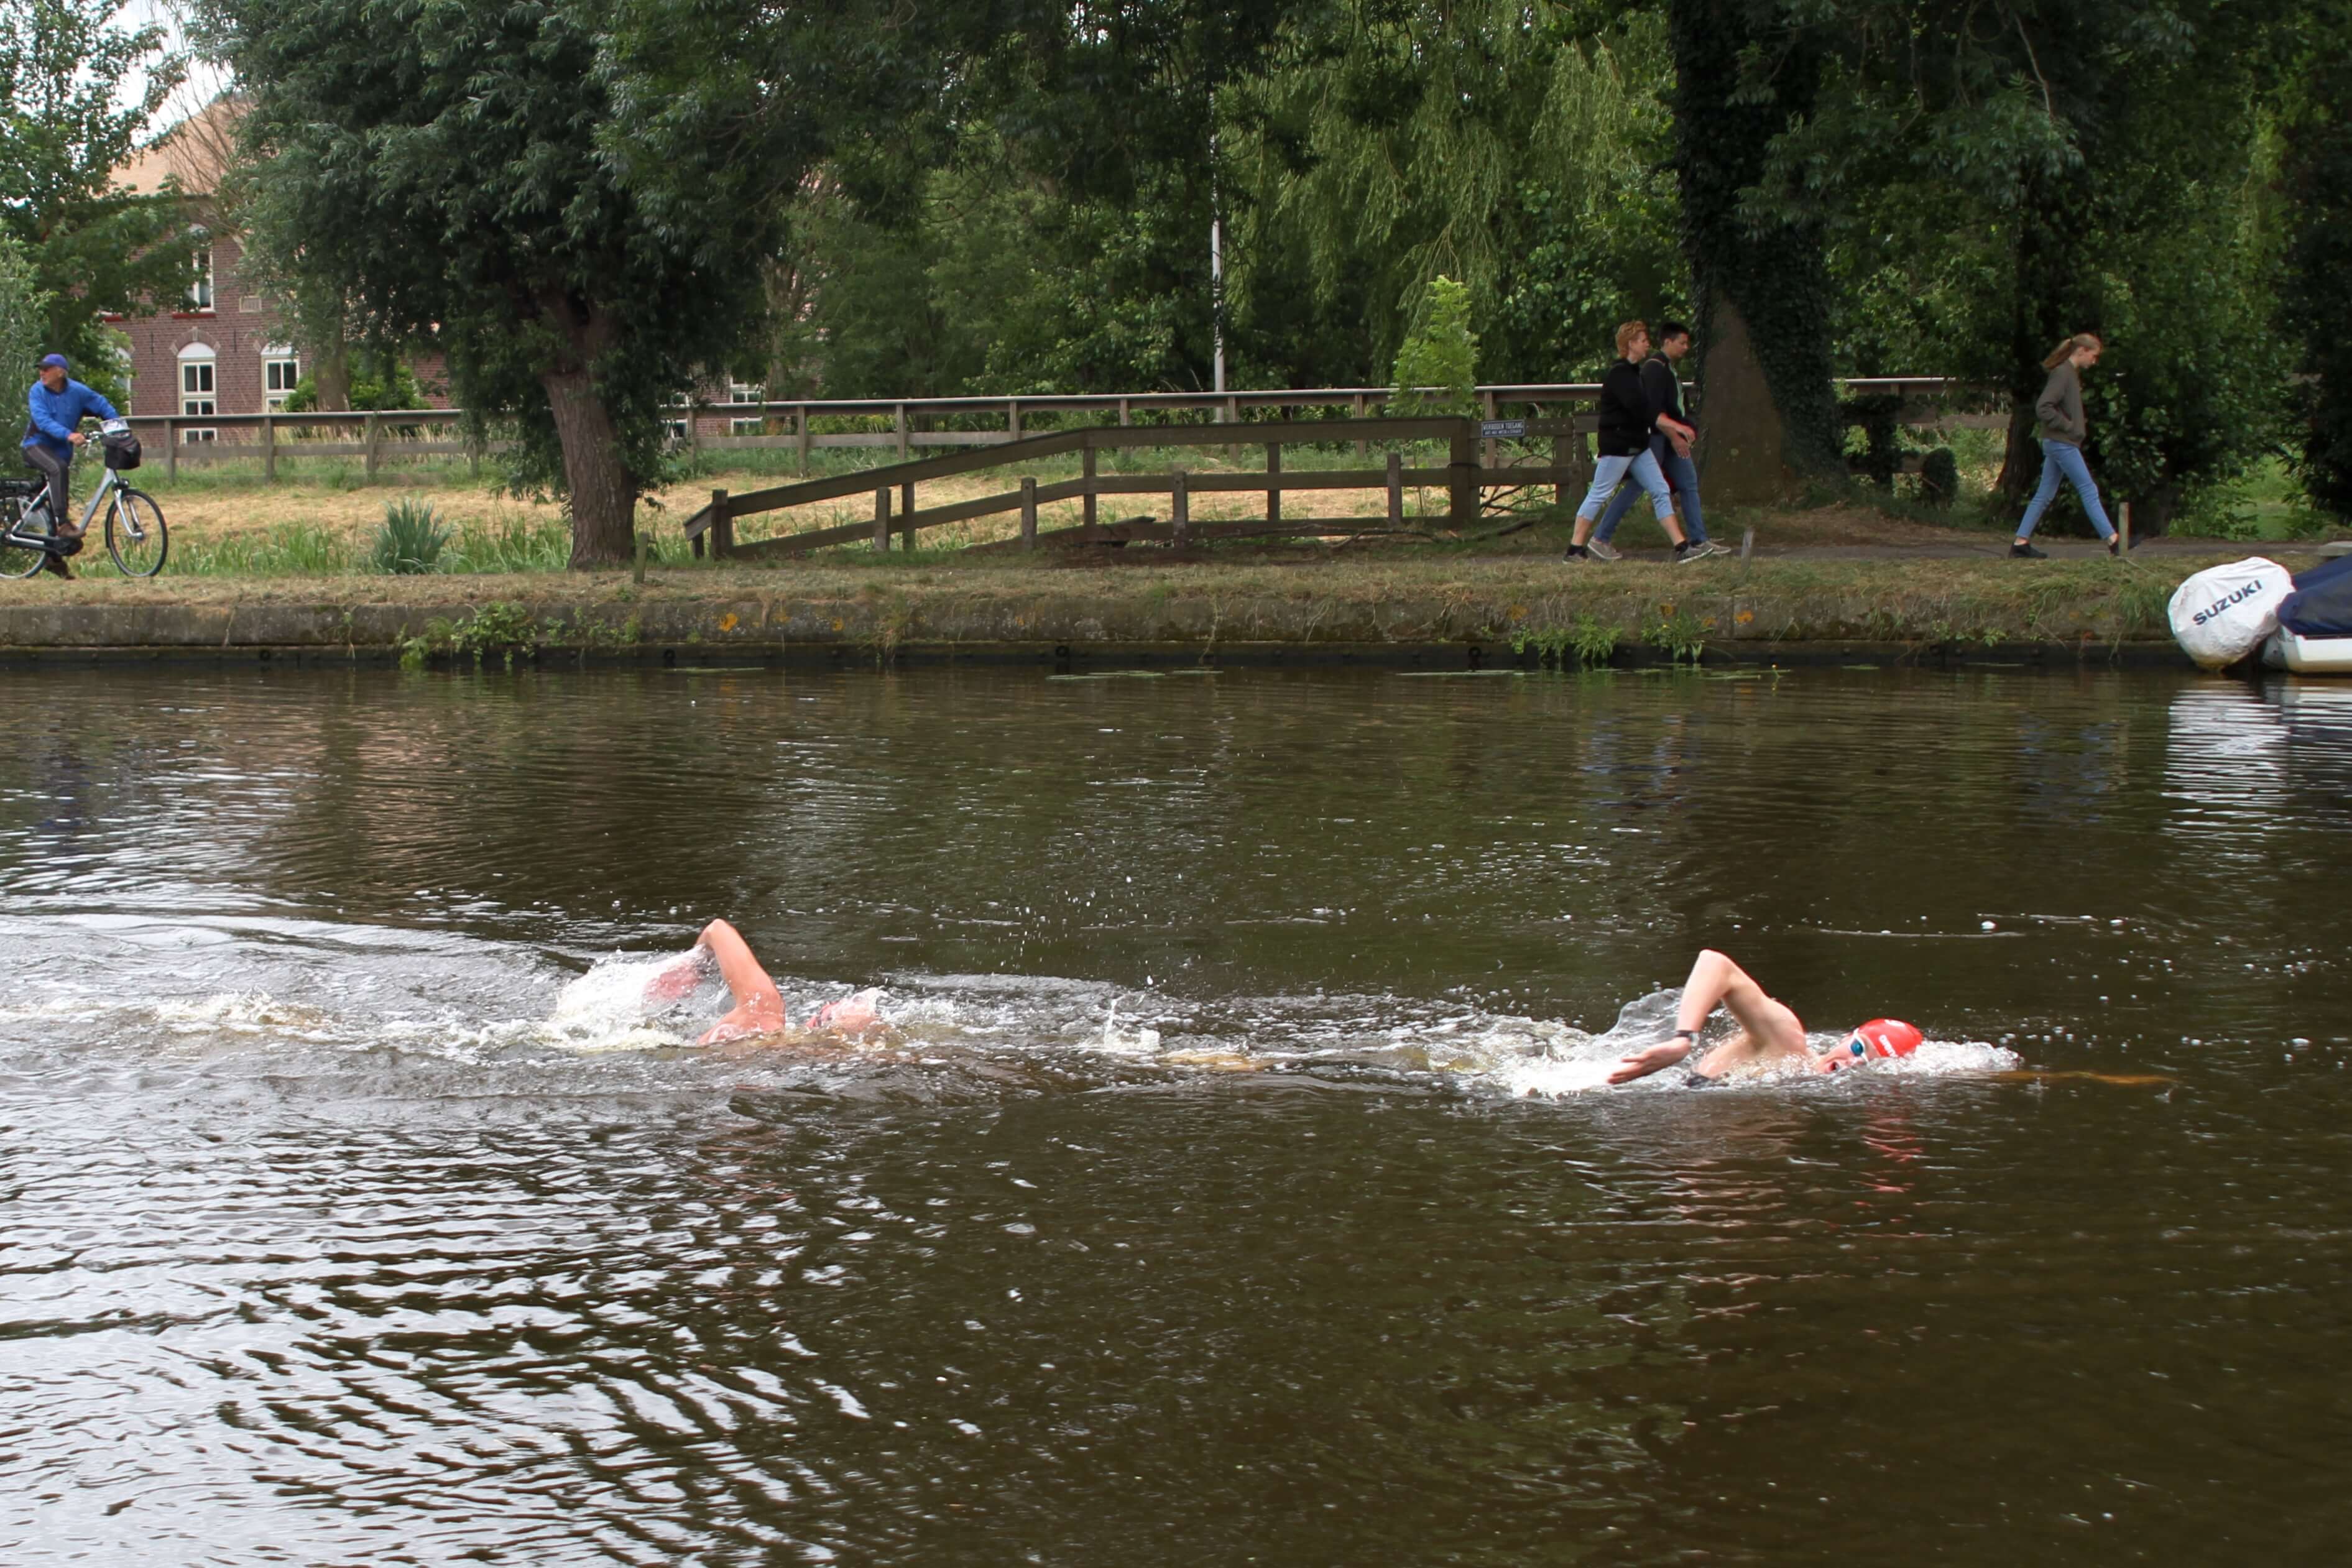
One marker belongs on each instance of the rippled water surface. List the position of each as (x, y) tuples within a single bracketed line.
[(1219, 1191)]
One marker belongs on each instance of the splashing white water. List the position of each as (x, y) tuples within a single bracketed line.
[(611, 1007)]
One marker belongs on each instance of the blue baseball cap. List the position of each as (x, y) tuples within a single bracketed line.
[(56, 360)]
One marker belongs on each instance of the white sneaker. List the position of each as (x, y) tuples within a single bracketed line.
[(1601, 549)]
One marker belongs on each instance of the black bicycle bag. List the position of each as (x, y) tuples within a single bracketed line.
[(121, 451)]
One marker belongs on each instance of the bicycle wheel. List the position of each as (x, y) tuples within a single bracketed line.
[(135, 535), (20, 560)]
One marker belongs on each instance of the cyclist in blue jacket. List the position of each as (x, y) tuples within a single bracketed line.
[(58, 405)]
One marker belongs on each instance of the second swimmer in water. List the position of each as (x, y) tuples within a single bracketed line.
[(1768, 1031), (759, 1007)]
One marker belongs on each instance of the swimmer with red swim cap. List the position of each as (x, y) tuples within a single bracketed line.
[(759, 1006), (1768, 1031)]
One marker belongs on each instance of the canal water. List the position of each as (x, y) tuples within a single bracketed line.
[(1227, 1186)]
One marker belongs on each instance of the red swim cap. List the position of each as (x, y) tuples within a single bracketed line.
[(1884, 1038)]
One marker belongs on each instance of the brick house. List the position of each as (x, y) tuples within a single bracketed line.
[(222, 349)]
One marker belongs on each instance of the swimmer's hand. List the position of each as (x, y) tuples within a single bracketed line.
[(1641, 1064)]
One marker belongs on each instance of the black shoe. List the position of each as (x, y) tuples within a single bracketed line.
[(2020, 551), (1577, 553), (2115, 543)]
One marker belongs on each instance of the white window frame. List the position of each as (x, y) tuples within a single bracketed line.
[(282, 364), (747, 392), (199, 393), (200, 286), (678, 429)]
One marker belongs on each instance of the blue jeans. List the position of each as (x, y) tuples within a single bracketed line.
[(2063, 458), (1642, 468), (1681, 475)]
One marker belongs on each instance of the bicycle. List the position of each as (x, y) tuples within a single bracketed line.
[(135, 533)]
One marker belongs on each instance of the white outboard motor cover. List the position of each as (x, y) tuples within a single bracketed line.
[(2223, 613)]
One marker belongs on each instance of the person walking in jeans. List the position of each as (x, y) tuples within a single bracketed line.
[(1665, 387), (2062, 428), (1628, 420)]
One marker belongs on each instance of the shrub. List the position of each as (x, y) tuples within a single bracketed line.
[(411, 540), (1437, 366)]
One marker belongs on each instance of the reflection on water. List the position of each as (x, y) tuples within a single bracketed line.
[(1193, 1206)]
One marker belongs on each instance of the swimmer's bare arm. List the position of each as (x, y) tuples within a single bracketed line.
[(1766, 1027), (759, 1008)]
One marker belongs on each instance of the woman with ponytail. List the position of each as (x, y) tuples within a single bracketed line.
[(2063, 428)]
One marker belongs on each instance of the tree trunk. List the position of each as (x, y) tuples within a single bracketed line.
[(596, 477), (330, 378), (1762, 295)]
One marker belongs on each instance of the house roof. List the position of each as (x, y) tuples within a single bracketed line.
[(197, 150)]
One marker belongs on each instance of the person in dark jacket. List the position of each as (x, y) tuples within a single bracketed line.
[(2063, 428), (1665, 387), (1628, 420)]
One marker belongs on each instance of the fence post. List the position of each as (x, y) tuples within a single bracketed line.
[(1559, 471), (1029, 513), (371, 445), (901, 422), (170, 449), (2124, 513), (1086, 463), (801, 434), (906, 510), (722, 527), (1012, 418), (1362, 451), (1273, 481), (882, 519), (1462, 500), (1396, 490), (1123, 412), (1180, 509), (1490, 451), (269, 450)]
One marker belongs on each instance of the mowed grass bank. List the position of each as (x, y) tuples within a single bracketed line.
[(883, 604)]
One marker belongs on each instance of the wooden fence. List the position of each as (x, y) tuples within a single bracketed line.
[(1466, 472), (914, 423)]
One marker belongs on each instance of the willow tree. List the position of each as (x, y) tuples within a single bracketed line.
[(491, 177), (1501, 145)]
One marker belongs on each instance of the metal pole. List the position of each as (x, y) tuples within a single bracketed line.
[(1216, 254)]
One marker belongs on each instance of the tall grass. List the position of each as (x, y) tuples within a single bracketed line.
[(285, 550), (511, 544)]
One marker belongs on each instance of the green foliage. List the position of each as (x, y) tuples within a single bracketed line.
[(77, 93), (1437, 367), (378, 382), (2315, 298), (23, 316), (1681, 634), (411, 540), (1509, 146), (1592, 640)]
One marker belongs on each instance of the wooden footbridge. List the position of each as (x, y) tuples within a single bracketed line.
[(1471, 467), (1474, 468)]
